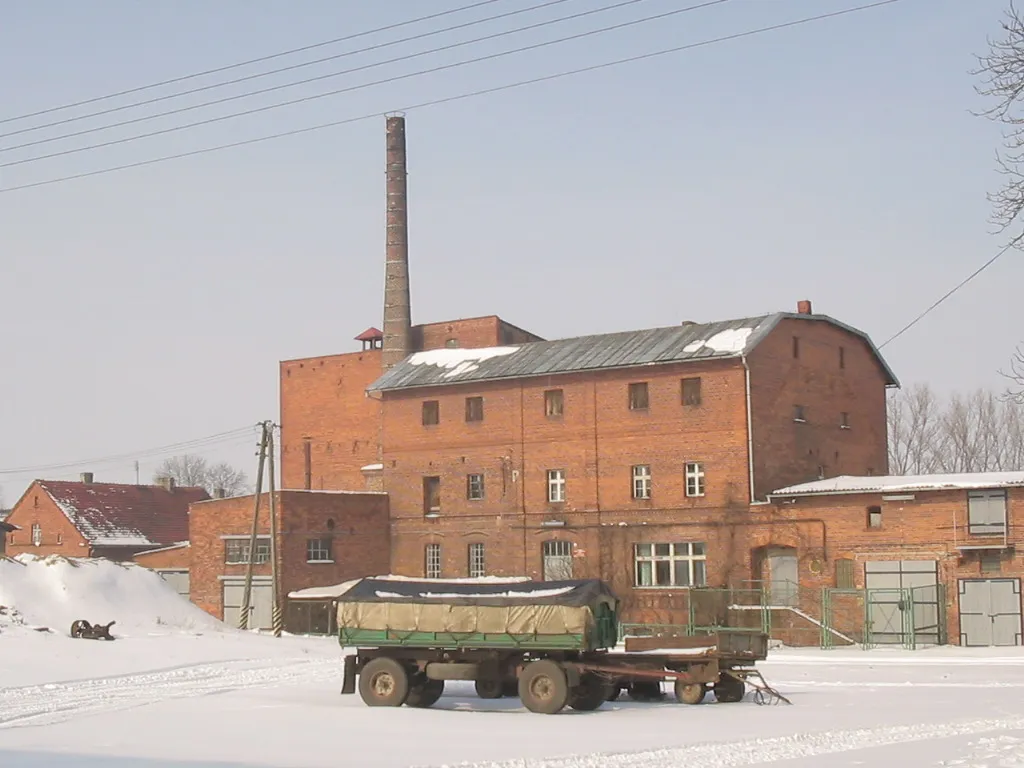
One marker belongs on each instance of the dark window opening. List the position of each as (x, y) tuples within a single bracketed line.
[(796, 346), (799, 413), (431, 495), (874, 517), (431, 412), (691, 391), (554, 403), (638, 396), (842, 358), (474, 409)]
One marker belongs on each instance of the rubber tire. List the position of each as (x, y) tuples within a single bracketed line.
[(543, 687), (425, 694), (729, 690), (690, 693), (589, 695), (645, 692), (613, 692), (390, 674), (489, 688), (510, 689)]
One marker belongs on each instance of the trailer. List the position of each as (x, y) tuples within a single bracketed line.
[(552, 644)]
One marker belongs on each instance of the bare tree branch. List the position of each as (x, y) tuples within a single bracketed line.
[(194, 471)]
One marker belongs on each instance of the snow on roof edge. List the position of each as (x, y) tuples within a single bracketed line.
[(850, 484)]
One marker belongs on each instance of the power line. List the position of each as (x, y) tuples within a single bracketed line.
[(234, 435), (240, 64), (459, 97), (212, 86), (949, 293), (351, 88)]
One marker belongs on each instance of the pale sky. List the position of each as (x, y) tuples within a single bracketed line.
[(837, 162)]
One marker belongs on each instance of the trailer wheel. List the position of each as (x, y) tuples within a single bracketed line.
[(510, 688), (384, 683), (489, 688), (690, 693), (425, 694), (543, 687), (729, 690), (589, 695), (645, 691)]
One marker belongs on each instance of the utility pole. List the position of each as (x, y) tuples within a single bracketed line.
[(277, 615), (243, 615)]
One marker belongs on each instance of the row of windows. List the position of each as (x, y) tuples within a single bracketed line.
[(800, 416), (681, 564), (237, 551), (37, 536), (986, 513), (554, 402), (557, 483)]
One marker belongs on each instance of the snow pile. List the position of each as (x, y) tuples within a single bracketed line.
[(732, 340), (55, 591), (459, 361)]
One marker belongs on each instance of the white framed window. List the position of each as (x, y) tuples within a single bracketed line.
[(37, 535), (236, 551), (474, 487), (642, 481), (694, 478), (476, 561), (556, 486), (319, 551), (557, 560), (432, 561), (986, 512), (670, 565)]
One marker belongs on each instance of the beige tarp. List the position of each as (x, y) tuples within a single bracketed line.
[(440, 617)]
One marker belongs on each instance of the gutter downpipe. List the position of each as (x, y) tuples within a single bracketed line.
[(750, 432)]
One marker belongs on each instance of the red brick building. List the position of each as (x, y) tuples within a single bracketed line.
[(90, 519), (172, 563), (324, 537), (633, 457), (935, 556)]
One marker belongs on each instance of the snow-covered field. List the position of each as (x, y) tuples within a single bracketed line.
[(162, 696)]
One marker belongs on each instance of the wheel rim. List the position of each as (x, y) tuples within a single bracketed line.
[(383, 684), (542, 688)]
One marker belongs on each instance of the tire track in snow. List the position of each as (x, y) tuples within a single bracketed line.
[(731, 754), (56, 702)]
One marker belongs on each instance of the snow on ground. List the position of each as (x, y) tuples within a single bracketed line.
[(251, 700)]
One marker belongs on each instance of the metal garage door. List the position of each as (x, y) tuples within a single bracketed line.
[(178, 580), (260, 604), (904, 601), (990, 612)]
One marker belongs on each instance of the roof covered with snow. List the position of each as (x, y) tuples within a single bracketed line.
[(656, 346), (115, 515), (846, 484)]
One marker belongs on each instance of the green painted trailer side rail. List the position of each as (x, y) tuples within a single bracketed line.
[(374, 637)]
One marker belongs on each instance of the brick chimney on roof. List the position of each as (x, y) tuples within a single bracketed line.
[(86, 477), (167, 483), (804, 307), (397, 343)]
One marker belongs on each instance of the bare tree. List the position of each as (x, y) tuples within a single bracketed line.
[(194, 471), (915, 435)]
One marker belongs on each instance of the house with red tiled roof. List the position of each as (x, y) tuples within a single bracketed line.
[(90, 519)]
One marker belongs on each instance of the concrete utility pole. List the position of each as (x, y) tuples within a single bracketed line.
[(277, 620), (243, 615)]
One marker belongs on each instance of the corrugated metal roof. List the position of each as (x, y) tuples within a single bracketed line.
[(847, 484), (628, 349)]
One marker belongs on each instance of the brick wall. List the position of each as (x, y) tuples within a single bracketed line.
[(169, 558), (789, 452), (357, 523), (60, 537)]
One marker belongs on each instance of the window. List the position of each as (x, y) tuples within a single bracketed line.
[(642, 481), (431, 412), (842, 358), (556, 486), (844, 420), (986, 512), (874, 517), (431, 495), (476, 561), (670, 565), (554, 403), (796, 347), (844, 574), (432, 558), (694, 479), (799, 413), (60, 538), (474, 409), (474, 487), (37, 535), (452, 343), (638, 400), (236, 551), (691, 391), (557, 560), (319, 551)]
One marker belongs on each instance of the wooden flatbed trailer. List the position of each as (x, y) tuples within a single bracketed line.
[(546, 642)]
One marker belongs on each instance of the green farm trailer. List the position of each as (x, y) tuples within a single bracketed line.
[(552, 644)]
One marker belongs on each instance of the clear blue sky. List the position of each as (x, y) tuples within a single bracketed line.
[(837, 162)]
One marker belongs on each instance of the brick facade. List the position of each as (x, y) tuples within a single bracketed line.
[(356, 524), (174, 558), (58, 535)]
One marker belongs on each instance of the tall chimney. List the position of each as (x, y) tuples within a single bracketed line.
[(397, 310), (803, 307)]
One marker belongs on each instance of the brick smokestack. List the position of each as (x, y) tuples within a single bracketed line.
[(397, 307)]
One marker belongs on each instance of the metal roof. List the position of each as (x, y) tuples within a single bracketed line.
[(847, 484), (628, 349)]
